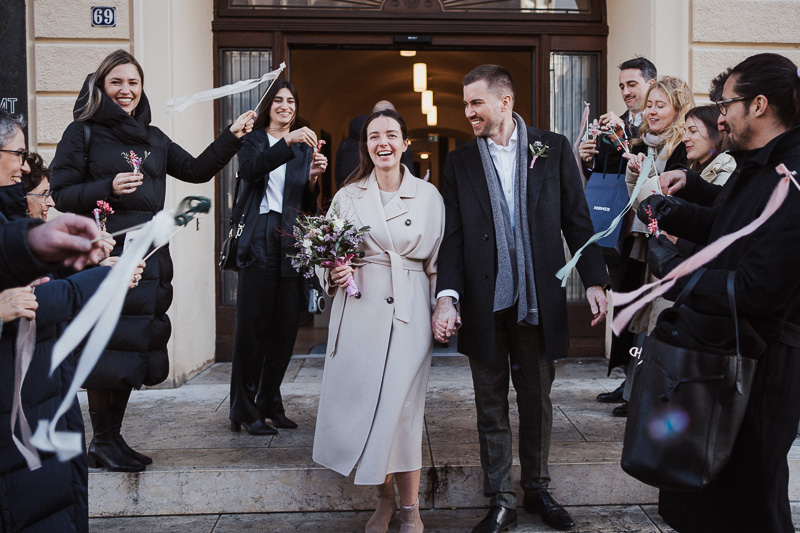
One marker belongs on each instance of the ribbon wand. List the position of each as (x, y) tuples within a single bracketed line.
[(280, 69)]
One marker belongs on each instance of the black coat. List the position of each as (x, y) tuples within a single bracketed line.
[(54, 497), (137, 352), (256, 160), (767, 292), (18, 265), (468, 255)]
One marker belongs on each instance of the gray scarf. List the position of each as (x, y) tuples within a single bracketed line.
[(658, 144), (514, 250)]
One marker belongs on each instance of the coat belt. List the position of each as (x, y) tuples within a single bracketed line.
[(398, 265)]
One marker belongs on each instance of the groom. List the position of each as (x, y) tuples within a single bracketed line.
[(501, 250)]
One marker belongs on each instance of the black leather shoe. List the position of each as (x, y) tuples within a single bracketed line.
[(258, 427), (541, 502), (614, 396), (281, 421), (497, 519), (620, 411)]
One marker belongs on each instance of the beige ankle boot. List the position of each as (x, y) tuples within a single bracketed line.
[(410, 522), (385, 512)]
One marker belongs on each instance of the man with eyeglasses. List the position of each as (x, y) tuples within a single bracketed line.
[(760, 111)]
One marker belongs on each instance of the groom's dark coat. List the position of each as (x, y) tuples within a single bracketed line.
[(468, 255)]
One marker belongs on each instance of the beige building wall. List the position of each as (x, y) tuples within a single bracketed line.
[(172, 40), (697, 39)]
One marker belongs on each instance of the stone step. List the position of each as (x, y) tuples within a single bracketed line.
[(201, 467)]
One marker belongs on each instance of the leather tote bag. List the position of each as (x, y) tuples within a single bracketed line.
[(690, 390), (607, 195)]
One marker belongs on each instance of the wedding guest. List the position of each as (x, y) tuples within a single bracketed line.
[(760, 111), (112, 117), (279, 165), (706, 145), (24, 506), (37, 187), (502, 247), (379, 345), (661, 137), (636, 76)]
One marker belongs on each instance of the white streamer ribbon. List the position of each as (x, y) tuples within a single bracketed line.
[(26, 342), (179, 103), (100, 315), (566, 269)]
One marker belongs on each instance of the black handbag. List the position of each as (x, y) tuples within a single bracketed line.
[(690, 390), (230, 247)]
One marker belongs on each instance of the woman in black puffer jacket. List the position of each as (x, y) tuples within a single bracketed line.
[(112, 118)]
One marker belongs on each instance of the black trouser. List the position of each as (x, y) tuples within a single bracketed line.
[(267, 313), (520, 352)]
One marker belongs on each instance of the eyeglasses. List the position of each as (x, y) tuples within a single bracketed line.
[(722, 105), (23, 154), (44, 196)]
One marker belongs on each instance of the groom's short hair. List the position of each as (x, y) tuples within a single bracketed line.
[(497, 78)]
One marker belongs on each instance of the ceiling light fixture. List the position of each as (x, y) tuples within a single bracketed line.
[(408, 53), (432, 118), (427, 101), (420, 77)]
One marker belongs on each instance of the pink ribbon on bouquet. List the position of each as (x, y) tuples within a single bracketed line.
[(351, 288), (699, 259)]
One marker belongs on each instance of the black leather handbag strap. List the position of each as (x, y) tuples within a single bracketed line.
[(730, 288), (243, 218)]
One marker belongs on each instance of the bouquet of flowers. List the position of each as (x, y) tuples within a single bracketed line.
[(101, 213), (134, 160), (326, 241)]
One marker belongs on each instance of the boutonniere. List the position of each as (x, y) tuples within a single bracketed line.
[(538, 150)]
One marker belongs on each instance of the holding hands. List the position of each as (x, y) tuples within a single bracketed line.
[(244, 124), (445, 320)]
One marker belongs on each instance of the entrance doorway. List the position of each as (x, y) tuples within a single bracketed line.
[(337, 85), (342, 61)]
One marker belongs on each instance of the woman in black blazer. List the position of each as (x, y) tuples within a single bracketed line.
[(279, 165)]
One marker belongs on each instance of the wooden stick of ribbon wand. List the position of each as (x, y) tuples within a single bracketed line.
[(280, 69)]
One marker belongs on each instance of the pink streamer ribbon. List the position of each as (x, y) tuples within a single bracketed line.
[(584, 122), (26, 342), (637, 299), (351, 288)]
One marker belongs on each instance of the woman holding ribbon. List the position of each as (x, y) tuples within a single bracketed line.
[(111, 153), (379, 345), (279, 165)]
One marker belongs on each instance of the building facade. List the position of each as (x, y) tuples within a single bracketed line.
[(343, 57)]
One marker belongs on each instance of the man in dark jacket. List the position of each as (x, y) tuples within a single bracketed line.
[(760, 110), (505, 213)]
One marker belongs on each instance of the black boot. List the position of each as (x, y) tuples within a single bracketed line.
[(104, 451), (118, 411)]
